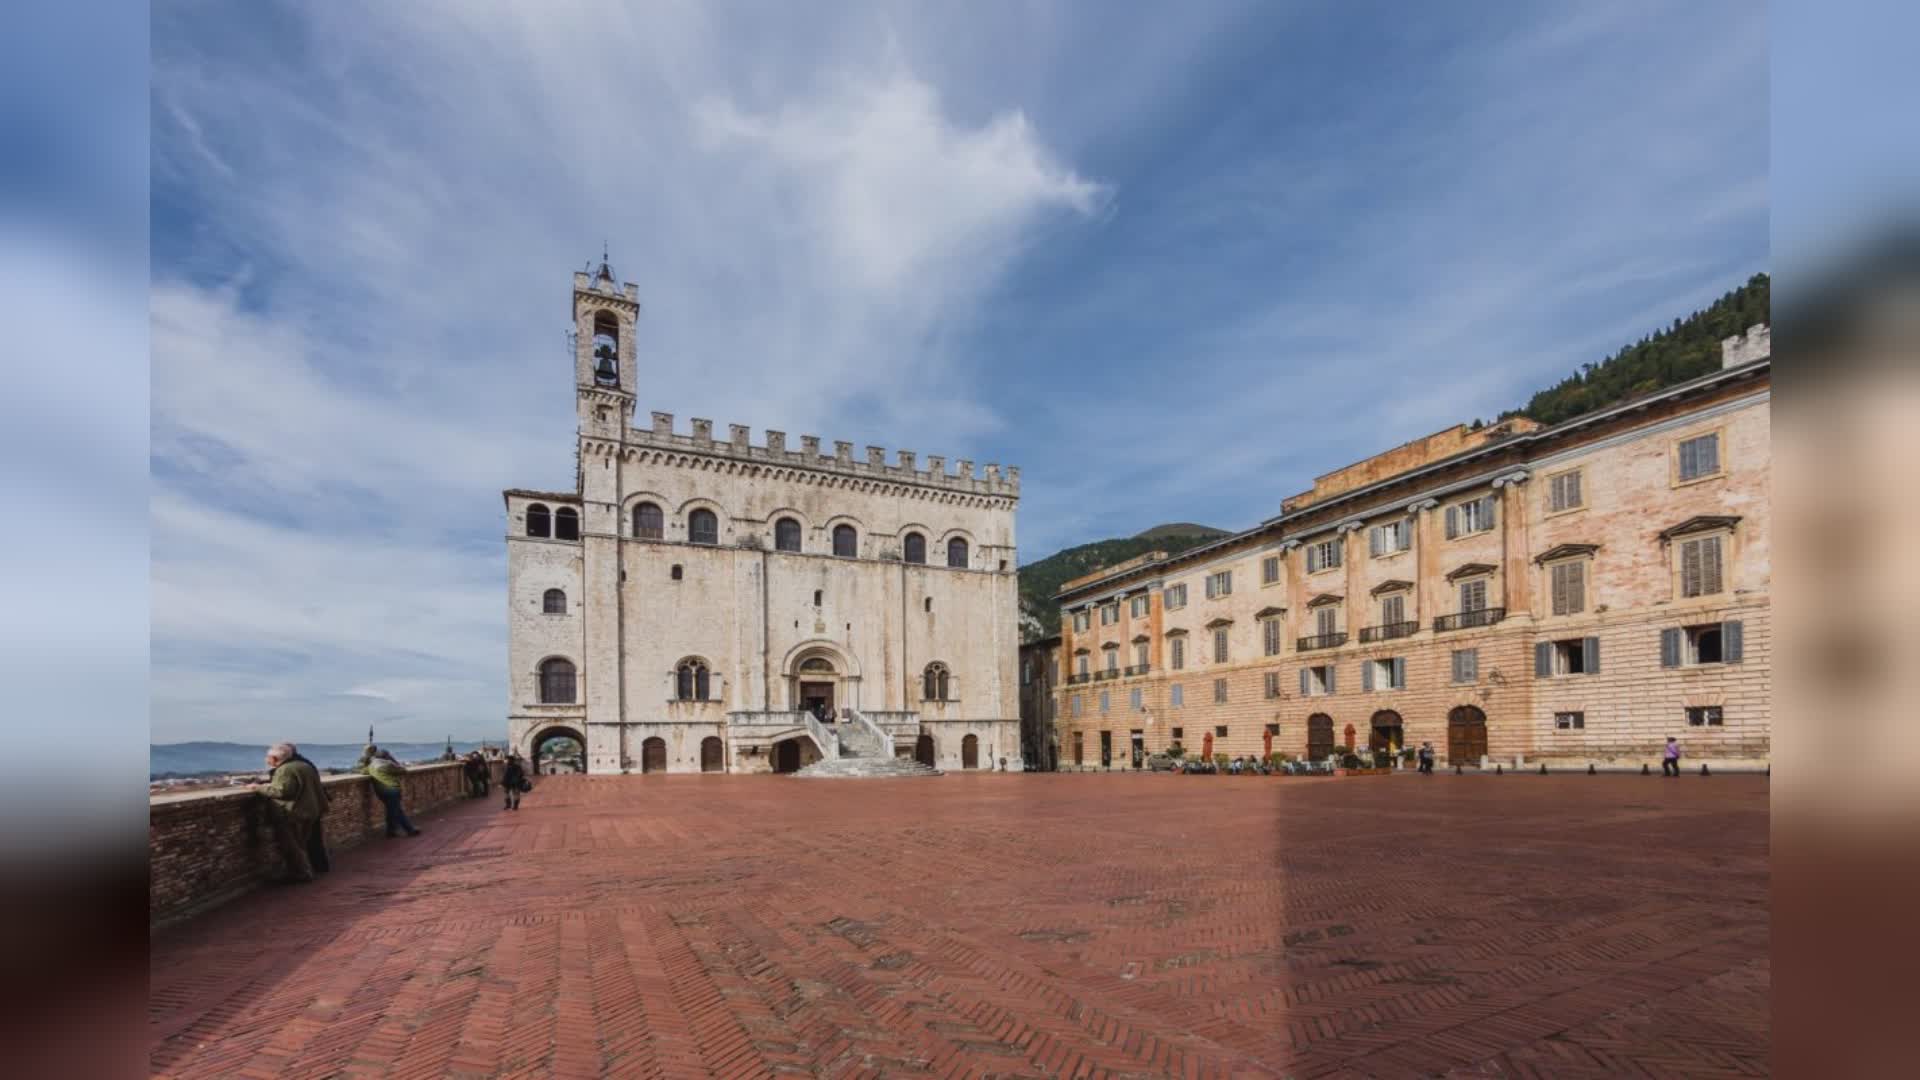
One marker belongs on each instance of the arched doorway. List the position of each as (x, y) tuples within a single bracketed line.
[(1319, 737), (923, 750), (1387, 734), (653, 755), (792, 755), (557, 750), (970, 752), (1466, 735), (712, 754)]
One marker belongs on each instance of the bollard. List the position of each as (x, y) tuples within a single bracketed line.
[(1499, 769), (1456, 768), (1543, 768), (1590, 769), (1703, 769), (1645, 769)]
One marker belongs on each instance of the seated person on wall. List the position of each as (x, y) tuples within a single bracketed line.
[(294, 804)]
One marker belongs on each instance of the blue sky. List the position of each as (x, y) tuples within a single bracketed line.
[(1172, 265)]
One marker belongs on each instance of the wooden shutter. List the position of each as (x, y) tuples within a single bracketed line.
[(1576, 586), (1453, 522), (1710, 565), (1690, 568), (1573, 494), (1670, 647), (1406, 534), (1399, 672), (1374, 540), (1366, 674), (1590, 647), (1559, 588), (1473, 665), (1306, 689), (1688, 459), (1332, 671), (1457, 665), (1542, 659), (1732, 647)]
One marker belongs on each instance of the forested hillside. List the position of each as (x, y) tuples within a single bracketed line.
[(1039, 581)]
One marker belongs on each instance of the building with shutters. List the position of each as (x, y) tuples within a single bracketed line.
[(1567, 594), (700, 603)]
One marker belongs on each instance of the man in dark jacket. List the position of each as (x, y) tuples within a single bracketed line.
[(513, 781), (293, 805), (317, 844)]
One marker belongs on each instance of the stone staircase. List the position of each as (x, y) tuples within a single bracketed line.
[(863, 751)]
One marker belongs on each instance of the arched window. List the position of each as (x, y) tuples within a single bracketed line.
[(606, 349), (914, 548), (786, 535), (957, 553), (677, 572), (846, 542), (539, 521), (566, 524), (935, 682), (703, 527), (648, 522), (556, 682), (554, 602), (691, 682)]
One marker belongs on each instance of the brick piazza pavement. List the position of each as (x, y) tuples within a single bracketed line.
[(981, 925)]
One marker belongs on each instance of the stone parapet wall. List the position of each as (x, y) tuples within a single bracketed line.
[(205, 848)]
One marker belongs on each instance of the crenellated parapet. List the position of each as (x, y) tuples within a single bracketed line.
[(905, 468)]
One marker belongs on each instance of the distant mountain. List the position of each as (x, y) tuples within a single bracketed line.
[(1040, 580), (168, 760)]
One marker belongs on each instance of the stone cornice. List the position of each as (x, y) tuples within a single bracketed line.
[(1699, 524), (1565, 551), (1472, 569)]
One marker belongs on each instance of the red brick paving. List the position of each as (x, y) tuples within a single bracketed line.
[(994, 925)]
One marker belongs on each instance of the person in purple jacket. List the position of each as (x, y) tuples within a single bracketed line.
[(1670, 762)]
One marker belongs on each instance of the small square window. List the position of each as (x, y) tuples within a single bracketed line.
[(1563, 491), (1569, 721), (1705, 716), (1220, 731), (1270, 570), (1570, 657), (1699, 456)]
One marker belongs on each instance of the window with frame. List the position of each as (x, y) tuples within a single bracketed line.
[(1393, 609), (1563, 491), (1080, 664), (1705, 643), (1103, 702), (786, 535), (1220, 695), (539, 521), (1177, 652), (846, 541), (1390, 674), (1569, 721), (957, 553), (1081, 621), (1270, 570), (1472, 516), (1174, 597), (1110, 654), (1140, 655), (649, 523), (1219, 584), (913, 549), (1705, 716), (556, 681), (1270, 630), (703, 527), (566, 523), (1390, 539), (1109, 613), (1271, 684), (1702, 566), (1473, 595), (1325, 554), (1177, 696), (1317, 681), (1466, 665), (692, 681), (1326, 620), (935, 683), (1699, 456), (1220, 645), (1134, 698), (1220, 730), (1178, 734), (1569, 586), (553, 602), (1137, 606), (1569, 656), (1073, 705)]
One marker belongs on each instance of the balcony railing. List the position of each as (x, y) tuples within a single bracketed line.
[(1464, 619), (1388, 631), (1076, 680), (1110, 673), (1138, 669), (1322, 641)]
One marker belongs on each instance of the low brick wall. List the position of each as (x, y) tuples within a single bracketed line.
[(205, 848)]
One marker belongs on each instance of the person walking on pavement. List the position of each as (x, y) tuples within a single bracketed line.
[(513, 781), (385, 773), (1670, 761), (293, 801)]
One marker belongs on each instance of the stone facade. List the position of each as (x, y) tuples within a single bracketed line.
[(1039, 674), (1589, 586), (695, 594)]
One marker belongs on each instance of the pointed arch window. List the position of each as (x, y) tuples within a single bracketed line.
[(691, 681), (648, 522), (914, 548), (566, 524), (786, 535), (539, 520), (553, 602), (846, 541), (556, 682), (936, 683), (957, 553), (703, 527)]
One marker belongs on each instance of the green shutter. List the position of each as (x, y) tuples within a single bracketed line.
[(1542, 659), (1670, 647), (1732, 645)]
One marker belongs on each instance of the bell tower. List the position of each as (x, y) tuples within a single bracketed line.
[(604, 317)]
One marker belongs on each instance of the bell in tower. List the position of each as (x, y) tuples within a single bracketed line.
[(606, 350)]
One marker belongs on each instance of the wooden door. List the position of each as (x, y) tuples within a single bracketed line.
[(970, 752), (1319, 737), (923, 750), (1466, 735), (653, 755), (786, 756), (712, 754)]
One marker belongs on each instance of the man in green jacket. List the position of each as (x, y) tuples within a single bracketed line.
[(385, 773), (294, 803)]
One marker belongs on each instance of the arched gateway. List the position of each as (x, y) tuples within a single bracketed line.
[(557, 748), (1466, 735)]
